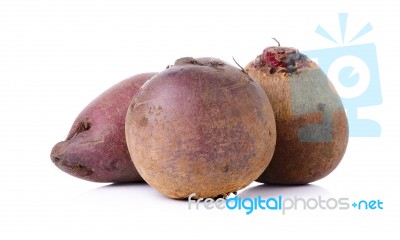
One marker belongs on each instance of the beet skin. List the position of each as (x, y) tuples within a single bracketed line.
[(201, 126), (95, 148), (311, 124)]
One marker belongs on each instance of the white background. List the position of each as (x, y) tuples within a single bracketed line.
[(57, 55)]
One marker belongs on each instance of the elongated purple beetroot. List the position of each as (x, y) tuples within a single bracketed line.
[(95, 148)]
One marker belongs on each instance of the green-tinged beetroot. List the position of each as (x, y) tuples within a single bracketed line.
[(95, 148), (312, 130), (201, 126)]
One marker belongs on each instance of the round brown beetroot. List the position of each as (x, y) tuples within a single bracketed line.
[(201, 126), (95, 148), (312, 129)]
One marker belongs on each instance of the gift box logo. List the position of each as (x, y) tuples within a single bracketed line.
[(353, 70)]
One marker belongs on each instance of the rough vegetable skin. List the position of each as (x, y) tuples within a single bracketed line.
[(201, 126), (312, 128), (95, 148)]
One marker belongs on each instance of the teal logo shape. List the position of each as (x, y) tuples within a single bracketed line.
[(353, 70)]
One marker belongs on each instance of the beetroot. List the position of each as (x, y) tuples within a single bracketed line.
[(95, 148), (201, 126), (312, 129)]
